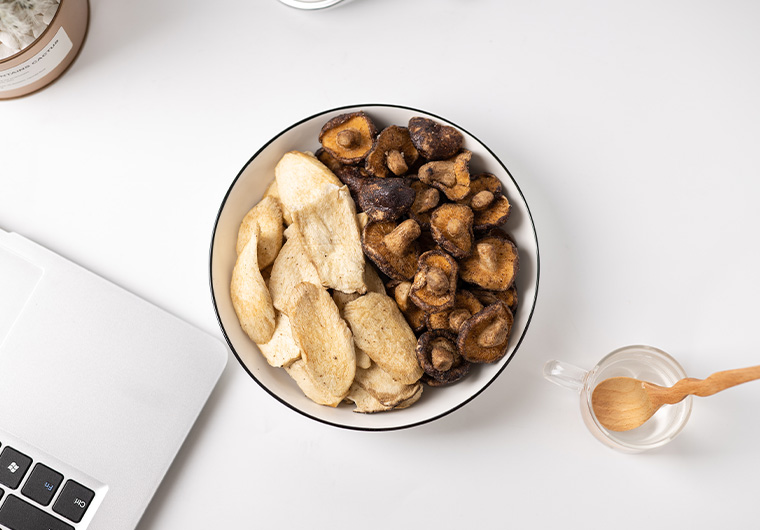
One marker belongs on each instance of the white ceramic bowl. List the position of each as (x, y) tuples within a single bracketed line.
[(248, 188)]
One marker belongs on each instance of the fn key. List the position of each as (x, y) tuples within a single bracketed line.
[(73, 501)]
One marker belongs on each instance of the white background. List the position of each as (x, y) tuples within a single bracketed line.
[(633, 129)]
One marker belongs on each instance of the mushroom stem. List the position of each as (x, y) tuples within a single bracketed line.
[(487, 255), (401, 294), (401, 237), (395, 162), (456, 227), (442, 355), (481, 200), (437, 281), (495, 334), (348, 138), (457, 318)]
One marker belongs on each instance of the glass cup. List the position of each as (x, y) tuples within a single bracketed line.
[(640, 362)]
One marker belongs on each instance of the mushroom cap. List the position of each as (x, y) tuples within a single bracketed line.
[(354, 177), (509, 297), (385, 199), (363, 132), (398, 267), (435, 282), (492, 265), (392, 138), (497, 211), (424, 203), (434, 140), (485, 336), (451, 176), (332, 163), (451, 227), (460, 367), (465, 301)]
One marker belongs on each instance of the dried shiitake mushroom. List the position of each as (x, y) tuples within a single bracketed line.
[(487, 201), (434, 140), (485, 336), (437, 354), (332, 163), (348, 137), (385, 199), (451, 227), (435, 281), (466, 304), (425, 200), (413, 314), (392, 247), (393, 152), (509, 297), (492, 265), (451, 176)]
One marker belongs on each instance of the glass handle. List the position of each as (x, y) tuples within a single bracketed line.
[(565, 375)]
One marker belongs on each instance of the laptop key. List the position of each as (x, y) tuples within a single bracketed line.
[(73, 501), (18, 514), (42, 484), (13, 467)]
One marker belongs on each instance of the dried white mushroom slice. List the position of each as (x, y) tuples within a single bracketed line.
[(410, 401), (362, 359), (372, 279), (381, 330), (282, 349), (266, 219), (297, 370), (274, 191), (327, 346), (365, 402), (250, 296), (383, 387), (303, 180), (291, 267), (341, 299), (332, 240)]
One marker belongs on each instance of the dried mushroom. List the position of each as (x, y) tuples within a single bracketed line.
[(451, 227), (392, 247), (426, 198), (466, 304), (393, 151), (385, 199), (509, 297), (438, 355), (348, 137), (451, 176), (332, 163), (484, 337), (435, 281), (433, 140), (413, 314), (493, 264)]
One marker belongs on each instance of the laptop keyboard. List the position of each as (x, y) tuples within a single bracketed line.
[(35, 496)]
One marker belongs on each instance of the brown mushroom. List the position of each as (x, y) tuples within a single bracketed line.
[(485, 336), (451, 176), (509, 297), (425, 200), (466, 304), (492, 265), (434, 140), (393, 152), (451, 227), (354, 177), (392, 247), (438, 356), (414, 315), (435, 281), (332, 163), (487, 200), (385, 199), (348, 137)]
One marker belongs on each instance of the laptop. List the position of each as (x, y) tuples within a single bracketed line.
[(98, 391)]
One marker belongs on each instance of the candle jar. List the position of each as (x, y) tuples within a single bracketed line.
[(49, 55)]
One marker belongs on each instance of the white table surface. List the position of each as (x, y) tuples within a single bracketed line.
[(633, 130)]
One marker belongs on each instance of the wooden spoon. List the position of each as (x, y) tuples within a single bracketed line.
[(624, 403)]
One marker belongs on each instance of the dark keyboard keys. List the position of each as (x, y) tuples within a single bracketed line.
[(73, 501), (17, 514), (42, 484), (13, 467)]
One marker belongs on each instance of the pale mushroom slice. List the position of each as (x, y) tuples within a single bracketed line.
[(381, 330), (331, 238), (327, 346), (274, 192), (303, 180), (297, 370), (281, 350), (365, 402), (291, 267), (383, 387), (250, 296), (265, 218)]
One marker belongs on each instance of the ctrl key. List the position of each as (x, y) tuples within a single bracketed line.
[(20, 515), (73, 501)]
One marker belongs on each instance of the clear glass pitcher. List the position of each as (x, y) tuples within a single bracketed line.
[(640, 362)]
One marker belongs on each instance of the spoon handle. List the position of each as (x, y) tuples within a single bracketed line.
[(714, 383)]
